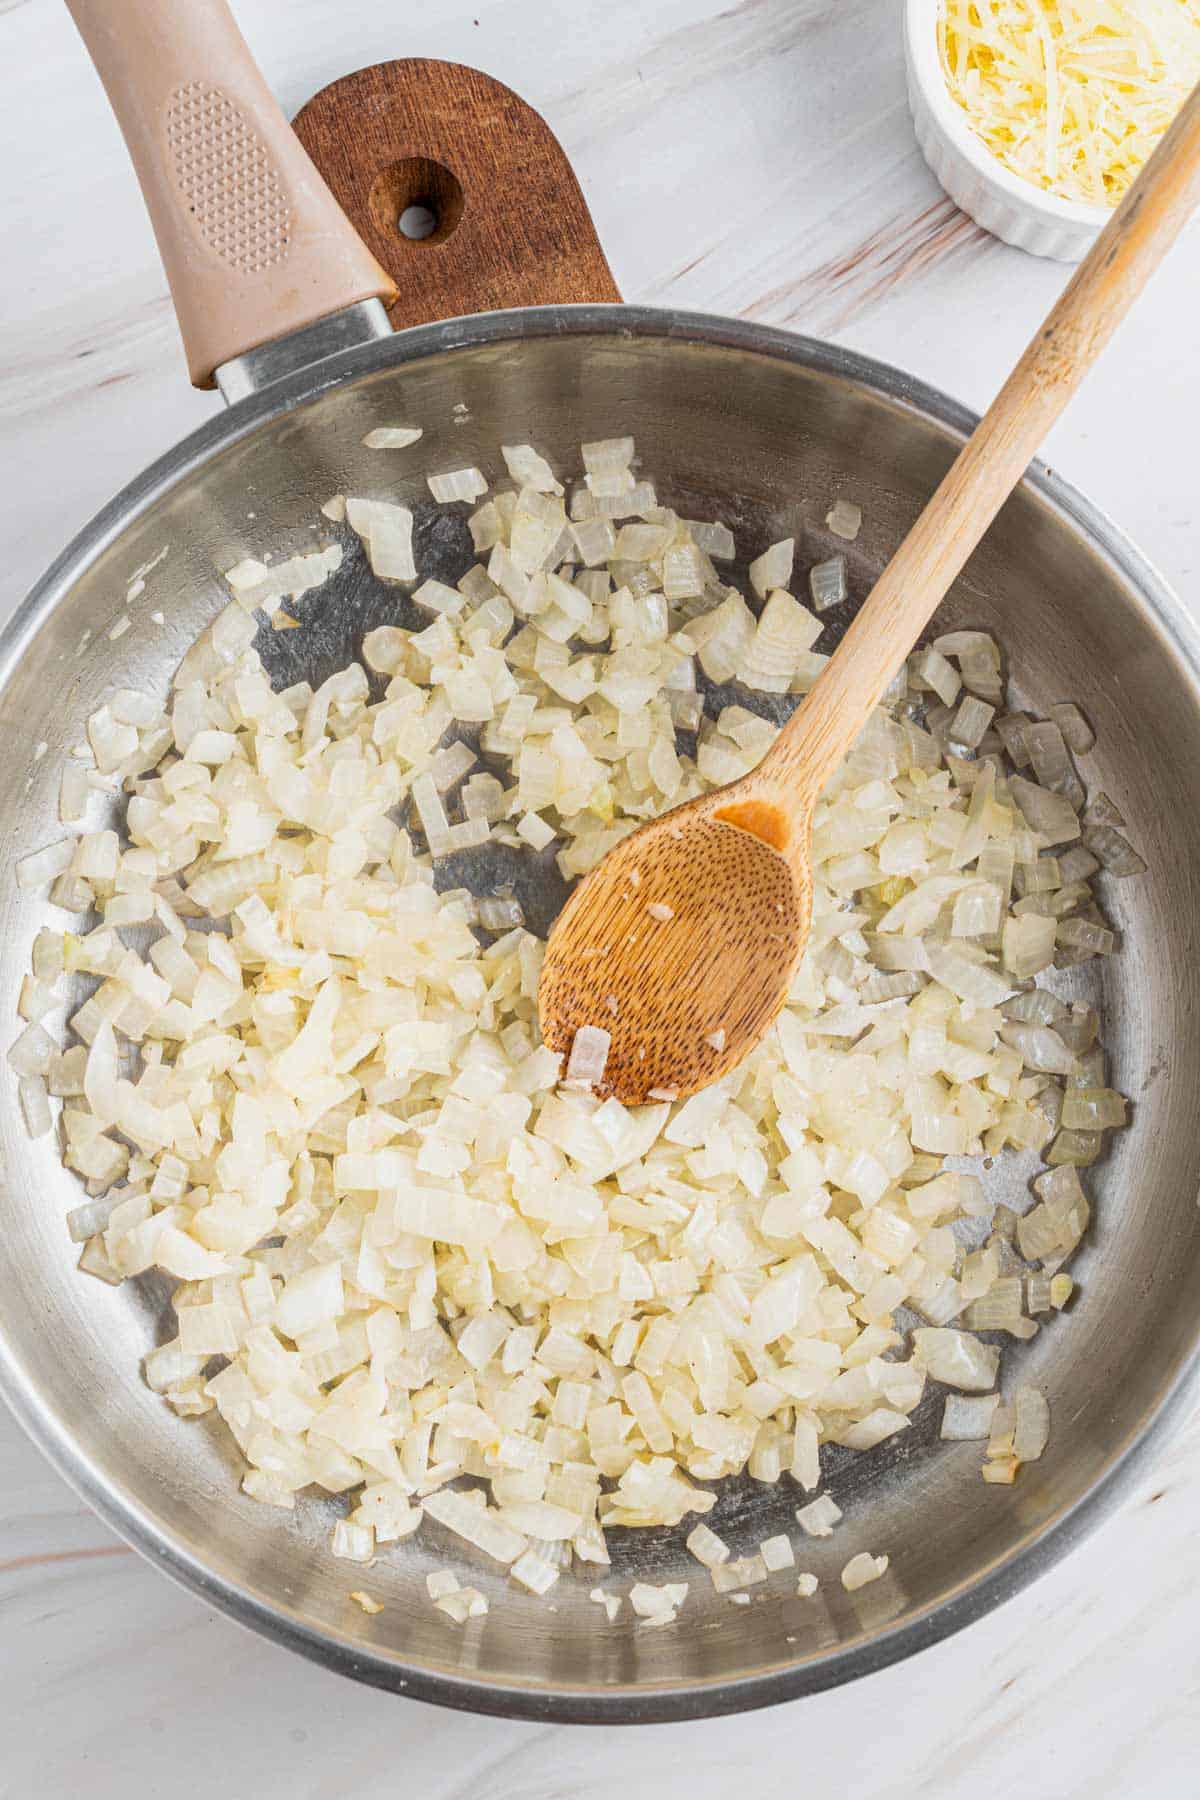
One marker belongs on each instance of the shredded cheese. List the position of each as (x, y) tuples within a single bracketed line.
[(1072, 95)]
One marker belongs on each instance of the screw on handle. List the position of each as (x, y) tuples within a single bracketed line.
[(986, 470), (253, 243)]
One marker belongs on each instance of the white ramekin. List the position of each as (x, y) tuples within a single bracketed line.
[(1001, 202)]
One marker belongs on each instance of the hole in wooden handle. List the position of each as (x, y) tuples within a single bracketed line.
[(416, 184), (512, 227)]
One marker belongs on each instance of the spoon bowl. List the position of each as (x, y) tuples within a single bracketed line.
[(682, 944)]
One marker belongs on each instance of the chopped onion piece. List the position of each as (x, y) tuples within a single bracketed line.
[(844, 519), (1001, 1470), (35, 1106), (935, 672), (777, 1553), (861, 1569), (1032, 1429), (827, 583), (1093, 1109), (742, 1572), (773, 569), (476, 1524), (785, 631), (589, 1055), (41, 866), (354, 1543), (392, 437), (529, 469), (386, 529), (1052, 817), (1061, 1289), (971, 721), (1115, 851), (819, 1517), (610, 1602), (255, 584), (707, 1547), (457, 484), (1040, 1048), (1076, 731), (73, 794), (714, 539), (658, 1605), (956, 1358), (606, 454), (33, 1051), (535, 831), (1028, 945), (439, 598), (535, 1572), (964, 1418)]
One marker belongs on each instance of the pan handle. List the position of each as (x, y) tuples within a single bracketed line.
[(510, 226), (254, 245)]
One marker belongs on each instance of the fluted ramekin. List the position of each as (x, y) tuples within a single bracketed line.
[(995, 198)]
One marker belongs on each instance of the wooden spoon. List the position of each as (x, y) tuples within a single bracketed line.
[(684, 941)]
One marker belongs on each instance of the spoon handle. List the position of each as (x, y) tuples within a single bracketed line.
[(988, 468)]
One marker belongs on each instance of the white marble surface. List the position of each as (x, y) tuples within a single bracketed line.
[(751, 158)]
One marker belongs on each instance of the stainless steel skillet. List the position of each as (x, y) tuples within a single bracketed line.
[(757, 427)]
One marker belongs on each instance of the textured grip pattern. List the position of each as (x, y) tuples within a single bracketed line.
[(228, 179)]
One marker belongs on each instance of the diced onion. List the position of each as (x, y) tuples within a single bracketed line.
[(707, 1547), (956, 1358), (426, 1254), (41, 866), (457, 484), (819, 1517), (386, 529), (1032, 1430), (844, 519), (742, 1572), (773, 569), (35, 1106), (777, 1553), (657, 1605), (589, 1055), (535, 1572), (392, 437), (610, 1602), (966, 1417), (827, 583), (861, 1569)]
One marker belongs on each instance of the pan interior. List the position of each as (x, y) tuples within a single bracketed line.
[(765, 440)]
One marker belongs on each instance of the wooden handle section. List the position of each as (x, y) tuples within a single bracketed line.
[(511, 226), (988, 468), (252, 241)]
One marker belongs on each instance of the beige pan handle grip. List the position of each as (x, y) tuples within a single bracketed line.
[(253, 243)]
